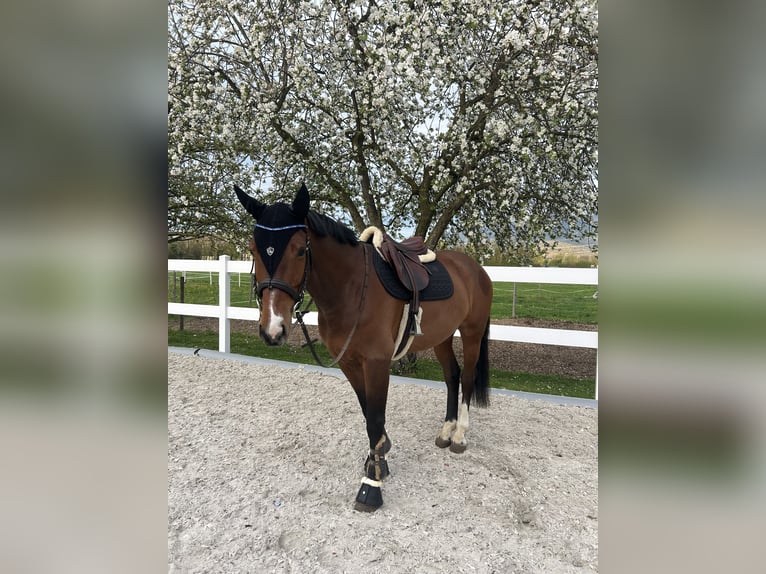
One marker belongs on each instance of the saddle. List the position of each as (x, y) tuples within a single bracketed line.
[(407, 259), (404, 257)]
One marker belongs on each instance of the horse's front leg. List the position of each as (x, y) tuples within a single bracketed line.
[(376, 465), (376, 378)]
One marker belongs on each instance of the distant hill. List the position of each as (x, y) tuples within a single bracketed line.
[(570, 255)]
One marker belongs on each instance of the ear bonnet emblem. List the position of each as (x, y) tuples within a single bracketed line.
[(270, 251)]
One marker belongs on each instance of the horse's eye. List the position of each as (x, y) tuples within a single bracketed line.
[(301, 252)]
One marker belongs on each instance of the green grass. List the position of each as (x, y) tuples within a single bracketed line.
[(202, 288), (244, 344), (572, 303), (529, 382), (252, 345)]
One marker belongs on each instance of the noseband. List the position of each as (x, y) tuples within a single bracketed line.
[(274, 283)]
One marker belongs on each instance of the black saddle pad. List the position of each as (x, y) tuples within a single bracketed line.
[(439, 284)]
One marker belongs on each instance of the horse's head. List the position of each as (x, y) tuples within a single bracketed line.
[(280, 249)]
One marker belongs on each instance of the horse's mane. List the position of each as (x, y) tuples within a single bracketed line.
[(326, 226)]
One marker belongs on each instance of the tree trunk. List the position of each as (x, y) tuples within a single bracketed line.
[(444, 220)]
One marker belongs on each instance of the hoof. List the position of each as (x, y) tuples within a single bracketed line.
[(443, 443), (458, 448), (359, 507), (369, 497)]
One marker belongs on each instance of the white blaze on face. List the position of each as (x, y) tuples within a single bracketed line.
[(276, 322)]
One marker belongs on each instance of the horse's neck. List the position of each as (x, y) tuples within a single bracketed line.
[(336, 271)]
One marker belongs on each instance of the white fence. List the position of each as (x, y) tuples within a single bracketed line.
[(553, 275)]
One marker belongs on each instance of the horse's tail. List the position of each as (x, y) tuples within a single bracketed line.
[(481, 381)]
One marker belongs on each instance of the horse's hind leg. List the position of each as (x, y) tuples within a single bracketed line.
[(446, 356), (471, 348)]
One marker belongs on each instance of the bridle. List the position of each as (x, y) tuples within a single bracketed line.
[(298, 296), (274, 283)]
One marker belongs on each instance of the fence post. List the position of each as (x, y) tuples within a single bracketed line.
[(513, 305), (224, 298), (183, 300), (597, 374)]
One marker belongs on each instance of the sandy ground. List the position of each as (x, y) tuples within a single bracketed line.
[(264, 464)]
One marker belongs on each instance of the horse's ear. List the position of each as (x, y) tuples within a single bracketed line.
[(252, 205), (300, 206)]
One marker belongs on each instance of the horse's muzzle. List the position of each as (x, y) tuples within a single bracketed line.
[(273, 341)]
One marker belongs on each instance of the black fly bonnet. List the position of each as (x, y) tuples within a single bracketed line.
[(274, 227), (272, 233)]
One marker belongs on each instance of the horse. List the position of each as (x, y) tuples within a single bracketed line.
[(296, 249)]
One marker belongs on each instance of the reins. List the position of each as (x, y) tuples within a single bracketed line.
[(310, 342)]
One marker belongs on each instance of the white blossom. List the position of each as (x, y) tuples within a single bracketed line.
[(491, 105)]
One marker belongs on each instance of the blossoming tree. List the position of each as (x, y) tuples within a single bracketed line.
[(461, 120)]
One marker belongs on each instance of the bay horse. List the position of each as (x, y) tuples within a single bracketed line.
[(295, 249)]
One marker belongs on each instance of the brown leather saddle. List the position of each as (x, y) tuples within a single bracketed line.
[(404, 259)]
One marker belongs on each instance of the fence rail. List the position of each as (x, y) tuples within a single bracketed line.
[(552, 275)]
